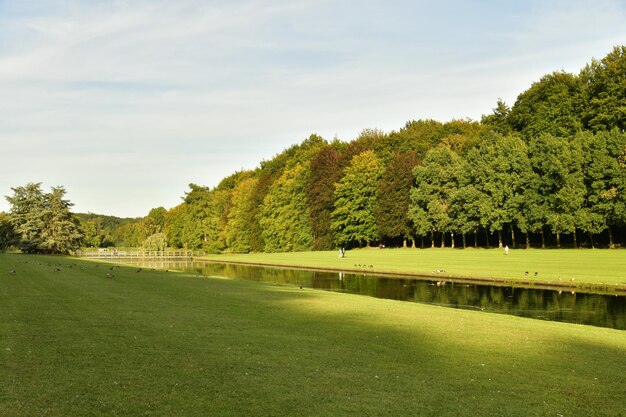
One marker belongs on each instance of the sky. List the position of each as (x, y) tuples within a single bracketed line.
[(124, 103)]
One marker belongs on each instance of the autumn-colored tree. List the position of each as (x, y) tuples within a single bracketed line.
[(325, 172)]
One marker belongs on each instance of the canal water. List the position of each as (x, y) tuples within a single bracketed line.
[(565, 306)]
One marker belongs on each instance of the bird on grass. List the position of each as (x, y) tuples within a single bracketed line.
[(109, 275), (57, 270), (12, 271), (139, 270), (526, 273)]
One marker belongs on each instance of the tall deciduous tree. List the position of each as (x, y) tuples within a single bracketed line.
[(604, 92), (557, 162), (551, 105), (238, 231), (353, 219), (325, 172), (393, 197), (284, 216), (604, 176), (435, 182), (501, 173)]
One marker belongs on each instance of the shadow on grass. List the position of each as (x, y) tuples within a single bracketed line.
[(163, 343)]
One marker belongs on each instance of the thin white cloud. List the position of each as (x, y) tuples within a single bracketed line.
[(130, 101)]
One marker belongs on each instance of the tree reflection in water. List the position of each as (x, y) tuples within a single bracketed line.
[(583, 308)]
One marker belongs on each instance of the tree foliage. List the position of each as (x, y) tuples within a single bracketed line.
[(156, 242), (393, 197), (284, 217), (604, 92), (42, 221), (353, 218)]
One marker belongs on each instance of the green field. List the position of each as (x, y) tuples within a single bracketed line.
[(74, 342), (583, 266)]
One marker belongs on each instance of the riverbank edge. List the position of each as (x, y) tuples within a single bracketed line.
[(443, 278)]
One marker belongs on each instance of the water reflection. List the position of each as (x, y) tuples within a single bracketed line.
[(591, 309)]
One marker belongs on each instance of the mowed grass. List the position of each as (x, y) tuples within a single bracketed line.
[(76, 343), (584, 266)]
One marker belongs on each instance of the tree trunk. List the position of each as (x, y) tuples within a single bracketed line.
[(527, 241), (432, 239), (464, 246), (475, 238), (558, 240), (575, 241), (404, 243), (543, 239), (443, 239), (452, 240), (611, 243), (422, 241), (500, 239), (512, 236), (487, 237), (593, 246)]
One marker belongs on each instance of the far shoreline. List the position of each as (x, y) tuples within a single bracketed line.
[(586, 287)]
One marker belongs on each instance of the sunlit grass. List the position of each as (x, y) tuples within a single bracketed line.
[(569, 265), (74, 342)]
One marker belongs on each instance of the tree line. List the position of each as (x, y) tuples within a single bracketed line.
[(548, 171)]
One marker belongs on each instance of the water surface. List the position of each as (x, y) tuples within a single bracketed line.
[(565, 306)]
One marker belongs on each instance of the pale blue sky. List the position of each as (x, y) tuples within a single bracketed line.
[(126, 102)]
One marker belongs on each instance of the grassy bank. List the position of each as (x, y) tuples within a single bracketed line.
[(563, 265), (75, 342)]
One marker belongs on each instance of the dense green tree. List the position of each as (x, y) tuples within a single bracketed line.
[(435, 182), (604, 92), (7, 234), (393, 197), (551, 105), (199, 228), (465, 203), (501, 174), (43, 221), (238, 233), (175, 219), (92, 237), (107, 228), (605, 206), (270, 171), (28, 205), (155, 242), (498, 121), (353, 218), (557, 163), (284, 217), (154, 222), (325, 172)]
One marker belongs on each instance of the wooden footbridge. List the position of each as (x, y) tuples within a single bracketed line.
[(114, 254)]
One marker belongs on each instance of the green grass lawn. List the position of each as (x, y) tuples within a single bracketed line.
[(584, 266), (76, 343)]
